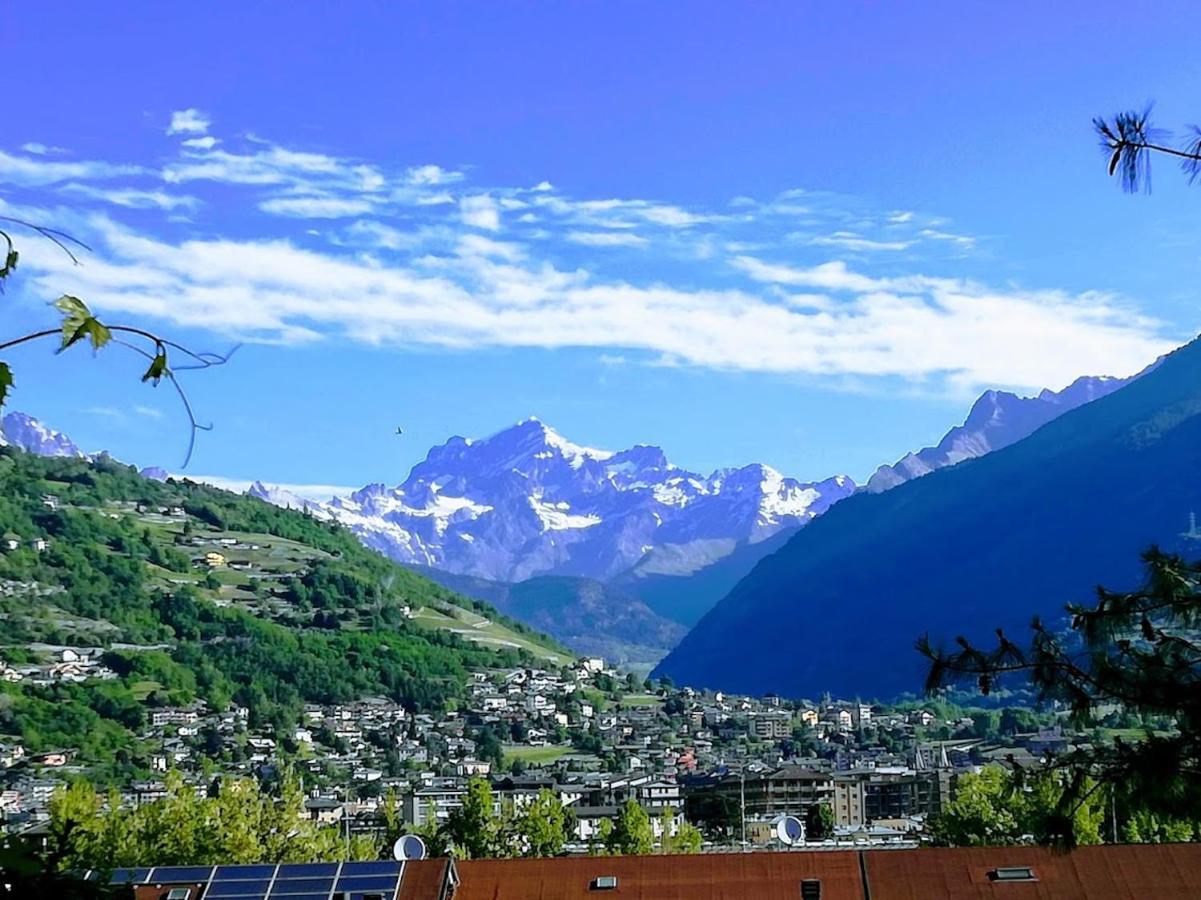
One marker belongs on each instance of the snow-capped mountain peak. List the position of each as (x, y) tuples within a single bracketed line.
[(997, 419), (527, 501), (20, 430)]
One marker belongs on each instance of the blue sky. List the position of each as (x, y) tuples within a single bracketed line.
[(802, 234)]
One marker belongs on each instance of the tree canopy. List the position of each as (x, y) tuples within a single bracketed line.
[(1137, 651)]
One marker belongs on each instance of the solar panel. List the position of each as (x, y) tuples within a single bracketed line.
[(165, 874), (238, 873), (306, 870), (128, 876), (373, 867), (250, 888), (286, 887), (367, 883)]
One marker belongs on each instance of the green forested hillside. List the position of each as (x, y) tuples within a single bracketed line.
[(295, 610)]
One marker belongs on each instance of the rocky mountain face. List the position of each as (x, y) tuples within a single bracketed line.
[(20, 430), (997, 419), (964, 550), (528, 502), (611, 552)]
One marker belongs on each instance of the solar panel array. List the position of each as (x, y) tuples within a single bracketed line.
[(286, 881)]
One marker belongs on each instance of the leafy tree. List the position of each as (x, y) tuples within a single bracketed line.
[(717, 815), (474, 829), (979, 816), (599, 846), (1144, 827), (28, 870), (541, 826), (632, 834), (1140, 651), (238, 823), (996, 807), (819, 822), (686, 839)]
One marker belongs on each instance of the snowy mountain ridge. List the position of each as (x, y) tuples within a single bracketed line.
[(526, 501), (24, 431), (997, 419)]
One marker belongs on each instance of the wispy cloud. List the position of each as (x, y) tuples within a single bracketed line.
[(316, 492), (41, 149), (606, 239), (28, 172), (316, 207), (106, 412), (480, 211), (189, 121), (416, 258), (134, 198), (848, 240)]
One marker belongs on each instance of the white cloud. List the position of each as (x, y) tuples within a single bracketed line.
[(605, 238), (208, 142), (427, 269), (41, 149), (478, 245), (961, 240), (618, 213), (316, 207), (848, 240), (133, 198), (486, 294), (317, 492), (275, 165), (432, 175), (27, 172), (106, 412), (189, 121), (832, 276), (480, 211), (148, 412)]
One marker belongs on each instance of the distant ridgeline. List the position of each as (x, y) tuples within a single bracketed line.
[(966, 549), (190, 592)]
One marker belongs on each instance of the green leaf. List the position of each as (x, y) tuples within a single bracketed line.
[(78, 323), (6, 382), (10, 263), (158, 366)]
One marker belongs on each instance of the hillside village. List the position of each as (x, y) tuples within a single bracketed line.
[(595, 736), (580, 731)]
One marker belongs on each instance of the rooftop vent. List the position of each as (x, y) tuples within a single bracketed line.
[(603, 883), (811, 889), (1012, 873)]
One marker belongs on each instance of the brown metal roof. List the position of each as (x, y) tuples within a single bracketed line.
[(1121, 872), (425, 879), (718, 876)]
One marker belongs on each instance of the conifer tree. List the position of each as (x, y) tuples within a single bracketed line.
[(1139, 651)]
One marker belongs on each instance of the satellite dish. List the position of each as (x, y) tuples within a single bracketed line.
[(790, 831), (408, 846)]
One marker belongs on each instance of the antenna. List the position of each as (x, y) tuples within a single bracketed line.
[(408, 846), (790, 831)]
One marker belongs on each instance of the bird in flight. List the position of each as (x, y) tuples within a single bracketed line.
[(399, 430)]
